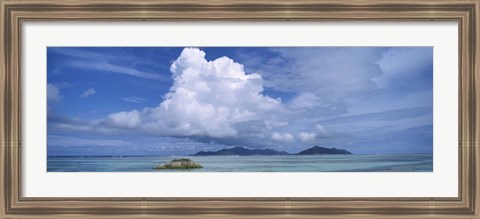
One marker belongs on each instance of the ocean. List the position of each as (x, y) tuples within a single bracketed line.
[(257, 163)]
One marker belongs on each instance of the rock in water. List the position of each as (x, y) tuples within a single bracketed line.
[(179, 164)]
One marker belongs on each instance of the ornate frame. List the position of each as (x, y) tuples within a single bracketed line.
[(14, 12)]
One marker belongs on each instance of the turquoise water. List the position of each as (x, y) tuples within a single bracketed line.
[(276, 163)]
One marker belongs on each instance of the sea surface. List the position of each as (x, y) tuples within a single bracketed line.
[(273, 163)]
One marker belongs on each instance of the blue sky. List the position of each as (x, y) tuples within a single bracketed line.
[(177, 101)]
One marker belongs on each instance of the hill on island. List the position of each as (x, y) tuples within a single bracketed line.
[(322, 150), (240, 151)]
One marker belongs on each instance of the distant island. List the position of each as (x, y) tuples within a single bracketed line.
[(240, 151), (322, 150)]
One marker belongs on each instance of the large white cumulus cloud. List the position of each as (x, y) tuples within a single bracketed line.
[(207, 99)]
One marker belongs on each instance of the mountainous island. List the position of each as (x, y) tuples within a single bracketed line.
[(240, 151), (322, 150)]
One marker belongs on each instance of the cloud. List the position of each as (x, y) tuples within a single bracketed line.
[(321, 130), (333, 81), (124, 119), (285, 137), (61, 140), (88, 92), (53, 93), (304, 100), (114, 68), (306, 136), (133, 99), (63, 85), (406, 68), (119, 62), (330, 75), (208, 100)]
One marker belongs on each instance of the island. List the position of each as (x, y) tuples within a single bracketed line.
[(179, 164), (240, 151), (321, 150)]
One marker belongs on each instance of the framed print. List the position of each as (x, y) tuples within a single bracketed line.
[(253, 122), (237, 109)]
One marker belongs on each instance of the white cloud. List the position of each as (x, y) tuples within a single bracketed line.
[(113, 63), (285, 137), (332, 74), (306, 136), (114, 68), (133, 99), (346, 78), (304, 100), (61, 140), (207, 99), (320, 129), (403, 63), (63, 85), (53, 93), (88, 92), (124, 119)]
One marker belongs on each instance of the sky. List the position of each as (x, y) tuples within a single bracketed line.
[(177, 101)]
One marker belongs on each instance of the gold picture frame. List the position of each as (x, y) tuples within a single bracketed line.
[(13, 13)]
